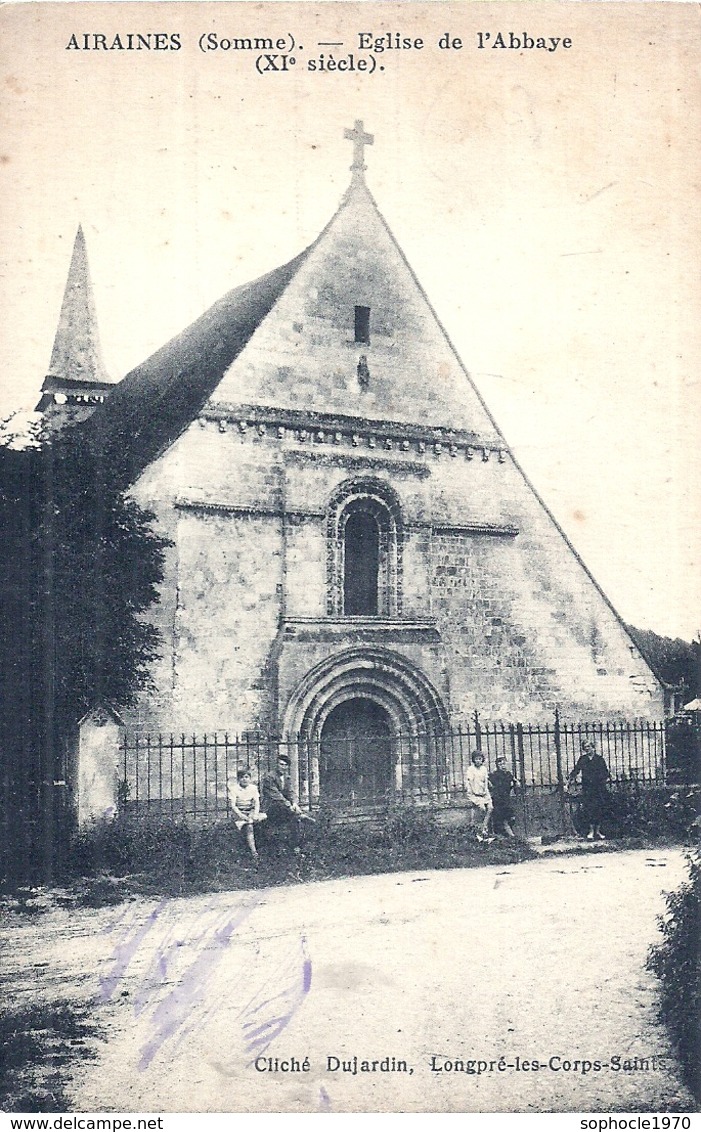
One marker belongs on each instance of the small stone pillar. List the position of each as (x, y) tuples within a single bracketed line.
[(98, 761)]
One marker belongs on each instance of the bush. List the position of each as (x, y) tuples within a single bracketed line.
[(677, 963), (654, 811), (123, 847), (154, 855), (160, 855), (684, 747)]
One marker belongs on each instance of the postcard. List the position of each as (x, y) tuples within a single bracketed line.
[(350, 682)]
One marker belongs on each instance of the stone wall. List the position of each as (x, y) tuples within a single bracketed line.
[(521, 626), (490, 603)]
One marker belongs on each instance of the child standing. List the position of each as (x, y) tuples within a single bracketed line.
[(478, 792), (501, 784)]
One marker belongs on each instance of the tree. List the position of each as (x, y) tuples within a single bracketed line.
[(80, 565), (678, 662)]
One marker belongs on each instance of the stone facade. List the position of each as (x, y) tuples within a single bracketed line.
[(347, 410)]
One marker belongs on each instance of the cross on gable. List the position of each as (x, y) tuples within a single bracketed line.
[(360, 139)]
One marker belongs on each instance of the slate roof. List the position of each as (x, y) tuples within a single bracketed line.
[(154, 403)]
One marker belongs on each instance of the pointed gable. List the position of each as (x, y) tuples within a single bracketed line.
[(354, 334), (344, 328)]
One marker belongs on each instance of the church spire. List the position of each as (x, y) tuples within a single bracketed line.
[(76, 355), (76, 381), (360, 139)]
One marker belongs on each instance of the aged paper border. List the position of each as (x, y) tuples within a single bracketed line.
[(445, 138)]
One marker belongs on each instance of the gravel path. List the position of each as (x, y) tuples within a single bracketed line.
[(541, 962)]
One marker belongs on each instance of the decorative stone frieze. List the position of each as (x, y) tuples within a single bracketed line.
[(317, 429)]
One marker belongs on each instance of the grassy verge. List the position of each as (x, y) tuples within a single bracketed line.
[(38, 1045), (110, 861)]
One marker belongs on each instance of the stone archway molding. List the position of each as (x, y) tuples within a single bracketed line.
[(374, 673)]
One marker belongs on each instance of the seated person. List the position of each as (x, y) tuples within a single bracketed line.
[(280, 806), (245, 807)]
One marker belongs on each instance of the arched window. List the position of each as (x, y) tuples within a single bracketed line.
[(364, 550), (361, 561)]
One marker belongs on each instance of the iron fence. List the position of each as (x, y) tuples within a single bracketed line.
[(184, 776)]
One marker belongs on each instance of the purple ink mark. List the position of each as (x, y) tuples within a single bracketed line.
[(270, 1015), (183, 1007), (154, 979), (124, 953), (165, 959), (175, 1009), (324, 1101), (198, 1017)]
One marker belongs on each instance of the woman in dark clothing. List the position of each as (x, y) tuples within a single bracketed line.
[(595, 775)]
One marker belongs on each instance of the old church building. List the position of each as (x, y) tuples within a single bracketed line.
[(354, 548)]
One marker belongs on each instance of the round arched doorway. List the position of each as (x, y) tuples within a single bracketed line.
[(356, 761), (361, 726)]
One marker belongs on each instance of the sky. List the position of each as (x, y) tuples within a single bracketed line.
[(546, 200)]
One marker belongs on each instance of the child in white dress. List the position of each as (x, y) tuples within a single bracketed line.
[(478, 793), (245, 807)]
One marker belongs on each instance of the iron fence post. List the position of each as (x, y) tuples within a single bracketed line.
[(522, 775), (565, 820)]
